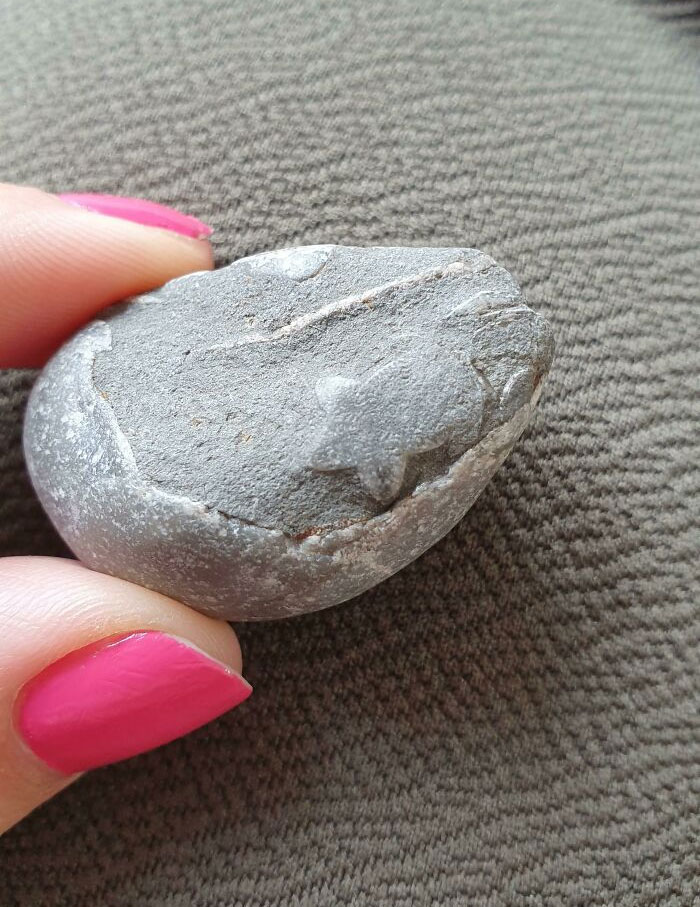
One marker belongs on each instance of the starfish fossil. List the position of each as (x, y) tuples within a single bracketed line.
[(373, 425)]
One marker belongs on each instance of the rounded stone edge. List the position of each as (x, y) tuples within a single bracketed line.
[(118, 524)]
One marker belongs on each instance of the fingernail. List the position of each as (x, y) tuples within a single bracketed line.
[(141, 211), (123, 696)]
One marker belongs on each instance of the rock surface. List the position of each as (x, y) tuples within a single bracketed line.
[(281, 434)]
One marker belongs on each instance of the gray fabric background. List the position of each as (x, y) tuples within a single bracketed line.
[(512, 720)]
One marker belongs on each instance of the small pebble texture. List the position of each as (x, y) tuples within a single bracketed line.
[(280, 435), (512, 720)]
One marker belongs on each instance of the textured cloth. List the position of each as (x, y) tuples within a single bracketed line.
[(513, 719)]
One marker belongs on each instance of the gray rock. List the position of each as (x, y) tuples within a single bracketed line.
[(280, 435)]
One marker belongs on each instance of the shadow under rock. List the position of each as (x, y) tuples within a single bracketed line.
[(455, 647), (456, 644), (683, 14)]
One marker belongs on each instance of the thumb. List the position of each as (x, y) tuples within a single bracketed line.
[(94, 669), (60, 262)]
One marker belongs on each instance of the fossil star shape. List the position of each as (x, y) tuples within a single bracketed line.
[(358, 432), (374, 425)]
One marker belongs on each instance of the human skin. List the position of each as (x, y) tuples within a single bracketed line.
[(60, 263)]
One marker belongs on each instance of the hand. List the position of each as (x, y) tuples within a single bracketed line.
[(92, 668)]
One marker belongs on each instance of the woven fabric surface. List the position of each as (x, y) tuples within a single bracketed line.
[(512, 720)]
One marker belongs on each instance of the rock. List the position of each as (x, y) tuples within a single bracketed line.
[(280, 435)]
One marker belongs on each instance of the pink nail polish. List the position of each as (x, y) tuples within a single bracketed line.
[(123, 696), (141, 211)]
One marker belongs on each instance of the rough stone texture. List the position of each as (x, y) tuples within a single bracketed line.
[(280, 435), (511, 720)]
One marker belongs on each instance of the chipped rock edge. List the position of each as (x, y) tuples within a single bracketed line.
[(122, 526)]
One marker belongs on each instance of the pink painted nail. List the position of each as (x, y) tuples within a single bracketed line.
[(123, 696), (141, 211)]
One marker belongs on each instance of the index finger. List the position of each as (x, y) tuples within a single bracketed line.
[(60, 264)]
